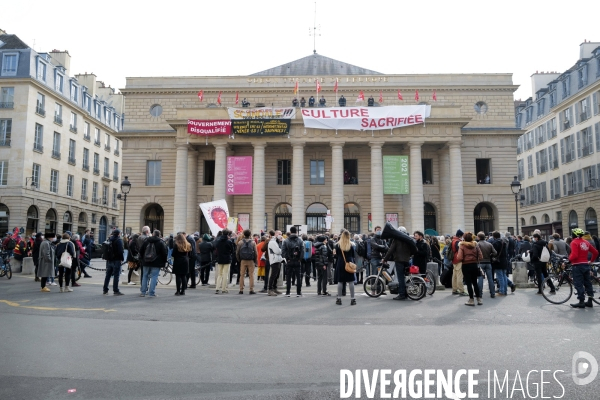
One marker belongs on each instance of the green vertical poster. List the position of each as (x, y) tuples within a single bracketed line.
[(395, 175)]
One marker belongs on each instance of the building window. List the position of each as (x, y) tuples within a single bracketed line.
[(71, 151), (482, 167), (528, 115), (597, 128), (566, 120), (97, 137), (582, 76), (74, 92), (38, 140), (114, 198), (540, 107), (40, 107), (96, 163), (36, 173), (106, 141), (54, 181), (552, 99), (551, 128), (555, 189), (153, 171), (41, 71), (7, 97), (585, 143), (573, 223), (5, 132), (95, 193), (553, 156), (350, 172), (567, 149), (209, 172), (540, 134), (9, 64), (58, 114), (589, 178), (582, 110), (521, 169), (106, 171), (84, 189), (70, 179), (541, 161), (117, 147), (104, 195), (284, 172), (115, 171), (86, 159), (58, 82), (156, 110), (566, 87), (86, 131), (3, 173), (530, 166), (56, 145), (317, 172)]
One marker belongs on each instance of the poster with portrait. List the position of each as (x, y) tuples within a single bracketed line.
[(216, 214)]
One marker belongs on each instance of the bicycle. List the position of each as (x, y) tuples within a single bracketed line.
[(430, 282), (560, 276), (5, 270), (374, 285), (166, 273)]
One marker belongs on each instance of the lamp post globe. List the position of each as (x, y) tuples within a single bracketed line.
[(515, 187), (125, 188)]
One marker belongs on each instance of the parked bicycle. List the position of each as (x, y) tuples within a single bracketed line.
[(5, 270), (560, 275), (374, 285), (166, 273)]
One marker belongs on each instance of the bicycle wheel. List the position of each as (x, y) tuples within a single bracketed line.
[(197, 277), (373, 286), (2, 271), (78, 273), (563, 289), (416, 288), (596, 287), (8, 271), (430, 282), (165, 275)]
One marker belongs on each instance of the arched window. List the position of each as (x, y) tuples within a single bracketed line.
[(68, 222), (533, 220), (315, 218), (484, 218), (352, 217), (283, 216), (523, 223), (32, 221), (591, 221), (82, 223), (153, 217), (4, 215), (573, 223), (51, 221), (429, 218), (545, 219), (102, 228)]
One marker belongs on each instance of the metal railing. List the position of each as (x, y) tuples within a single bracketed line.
[(71, 160), (115, 178), (96, 171), (86, 137), (38, 147), (84, 197), (107, 147), (5, 142), (117, 152), (73, 129), (85, 167), (7, 104), (97, 143), (40, 110), (56, 154), (58, 119)]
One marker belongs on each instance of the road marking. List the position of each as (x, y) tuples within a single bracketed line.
[(14, 304)]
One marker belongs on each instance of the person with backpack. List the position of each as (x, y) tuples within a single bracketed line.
[(153, 254), (539, 260), (499, 264), (469, 254), (224, 249), (400, 252), (246, 255), (112, 252), (64, 271), (8, 244), (457, 275), (307, 260), (320, 259), (487, 252), (292, 251), (422, 256)]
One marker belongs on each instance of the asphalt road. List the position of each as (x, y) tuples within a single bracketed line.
[(230, 346)]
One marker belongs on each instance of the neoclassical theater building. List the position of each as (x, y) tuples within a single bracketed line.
[(461, 160)]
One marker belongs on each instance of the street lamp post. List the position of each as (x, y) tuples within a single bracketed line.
[(515, 186), (125, 188)]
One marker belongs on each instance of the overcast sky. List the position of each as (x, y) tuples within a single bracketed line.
[(117, 39)]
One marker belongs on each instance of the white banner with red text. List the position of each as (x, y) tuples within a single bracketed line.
[(365, 118)]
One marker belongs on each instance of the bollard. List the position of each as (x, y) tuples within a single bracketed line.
[(28, 267), (519, 274), (433, 267), (16, 266)]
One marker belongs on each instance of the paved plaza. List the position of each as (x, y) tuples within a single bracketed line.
[(230, 346)]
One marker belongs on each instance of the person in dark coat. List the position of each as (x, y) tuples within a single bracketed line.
[(344, 252), (151, 269), (65, 272), (225, 249), (524, 248), (421, 257), (181, 256), (35, 252), (191, 262), (113, 265), (205, 251), (501, 263), (541, 267)]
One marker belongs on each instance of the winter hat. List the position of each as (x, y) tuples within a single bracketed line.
[(69, 233), (116, 232), (459, 233), (206, 237), (38, 235), (402, 229)]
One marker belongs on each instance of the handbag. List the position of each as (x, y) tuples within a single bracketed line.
[(545, 256), (350, 266), (65, 259), (526, 256)]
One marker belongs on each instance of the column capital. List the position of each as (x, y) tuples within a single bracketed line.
[(337, 144), (221, 146), (454, 145), (295, 143), (183, 145), (376, 144), (416, 143), (259, 145)]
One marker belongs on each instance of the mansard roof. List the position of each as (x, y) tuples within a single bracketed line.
[(318, 65), (12, 42)]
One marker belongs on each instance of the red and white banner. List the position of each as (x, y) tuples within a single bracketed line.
[(365, 118), (262, 113), (239, 175), (209, 127)]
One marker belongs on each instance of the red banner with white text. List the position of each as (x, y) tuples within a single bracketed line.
[(209, 127)]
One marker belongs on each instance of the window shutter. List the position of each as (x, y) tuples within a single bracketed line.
[(565, 185), (579, 181), (550, 157), (551, 190), (562, 151), (579, 145), (537, 162), (578, 112), (597, 128), (593, 176), (595, 96)]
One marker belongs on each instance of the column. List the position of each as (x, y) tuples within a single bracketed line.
[(258, 188), (192, 220), (444, 212), (219, 188), (416, 187), (181, 174), (457, 201), (298, 209), (337, 186), (377, 210)]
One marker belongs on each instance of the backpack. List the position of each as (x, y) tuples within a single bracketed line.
[(308, 252), (296, 253), (545, 256), (247, 252), (11, 244), (150, 253), (108, 253), (450, 253), (361, 249), (368, 248)]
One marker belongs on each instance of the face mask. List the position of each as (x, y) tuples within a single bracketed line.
[(378, 233)]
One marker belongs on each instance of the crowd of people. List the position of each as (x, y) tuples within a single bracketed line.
[(464, 259)]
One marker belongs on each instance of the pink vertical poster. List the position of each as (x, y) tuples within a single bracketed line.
[(239, 175)]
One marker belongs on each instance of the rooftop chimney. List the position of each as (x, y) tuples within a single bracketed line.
[(62, 58)]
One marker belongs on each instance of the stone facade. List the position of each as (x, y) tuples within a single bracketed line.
[(472, 119), (39, 97), (559, 155)]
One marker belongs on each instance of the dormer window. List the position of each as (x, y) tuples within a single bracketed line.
[(10, 61), (58, 82), (41, 70), (582, 76), (566, 86), (74, 93)]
